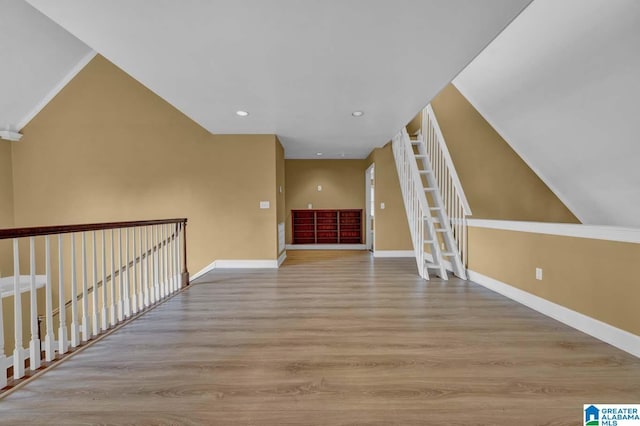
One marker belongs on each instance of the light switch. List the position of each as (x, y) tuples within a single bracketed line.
[(281, 189), (381, 206), (309, 206), (319, 188), (264, 204)]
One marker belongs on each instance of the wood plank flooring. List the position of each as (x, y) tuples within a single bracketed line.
[(332, 339)]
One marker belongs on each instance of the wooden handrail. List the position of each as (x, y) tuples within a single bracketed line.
[(67, 229)]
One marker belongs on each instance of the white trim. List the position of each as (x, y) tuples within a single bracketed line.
[(393, 253), (201, 272), (61, 84), (10, 135), (240, 264), (610, 233), (535, 170), (246, 264), (282, 258), (614, 336), (326, 246)]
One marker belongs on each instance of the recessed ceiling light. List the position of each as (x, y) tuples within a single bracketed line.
[(357, 113), (319, 154), (242, 113)]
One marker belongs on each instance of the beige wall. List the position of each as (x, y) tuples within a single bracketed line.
[(343, 184), (497, 182), (6, 205), (108, 149), (390, 223), (593, 277), (281, 211)]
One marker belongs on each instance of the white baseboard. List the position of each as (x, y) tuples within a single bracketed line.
[(282, 258), (201, 272), (393, 253), (614, 336), (240, 264), (326, 246)]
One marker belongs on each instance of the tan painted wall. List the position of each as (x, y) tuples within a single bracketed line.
[(6, 205), (497, 182), (106, 149), (391, 227), (342, 186), (281, 211), (593, 277)]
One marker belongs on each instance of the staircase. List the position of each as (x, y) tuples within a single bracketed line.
[(434, 201)]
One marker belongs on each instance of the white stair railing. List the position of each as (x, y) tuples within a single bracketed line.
[(453, 197), (416, 204), (122, 274)]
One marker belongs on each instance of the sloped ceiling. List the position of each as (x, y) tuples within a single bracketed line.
[(561, 85), (299, 67), (37, 57)]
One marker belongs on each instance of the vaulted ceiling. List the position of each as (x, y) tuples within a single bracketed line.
[(300, 68), (561, 85), (36, 58)]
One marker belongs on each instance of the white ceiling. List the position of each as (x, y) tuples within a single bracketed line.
[(299, 67), (562, 86), (36, 58)]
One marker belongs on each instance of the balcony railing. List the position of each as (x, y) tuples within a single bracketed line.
[(81, 281)]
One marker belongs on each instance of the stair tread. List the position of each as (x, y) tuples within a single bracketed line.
[(441, 230), (449, 253), (435, 208), (424, 172), (420, 156), (431, 189)]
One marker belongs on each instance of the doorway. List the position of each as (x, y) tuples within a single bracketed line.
[(369, 177)]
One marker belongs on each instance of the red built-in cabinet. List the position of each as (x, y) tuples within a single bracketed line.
[(327, 226)]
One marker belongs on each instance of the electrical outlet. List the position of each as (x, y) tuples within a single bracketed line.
[(309, 206), (539, 274)]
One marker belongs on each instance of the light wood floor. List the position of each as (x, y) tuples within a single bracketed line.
[(332, 339)]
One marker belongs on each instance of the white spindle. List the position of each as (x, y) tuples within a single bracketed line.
[(161, 262), (94, 294), (170, 259), (120, 278), (140, 270), (49, 336), (176, 256), (75, 331), (126, 285), (84, 326), (3, 356), (156, 260), (34, 344), (112, 306), (179, 243), (18, 354), (147, 298), (166, 260), (63, 338), (103, 290), (134, 292)]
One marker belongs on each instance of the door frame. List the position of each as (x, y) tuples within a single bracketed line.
[(369, 230)]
